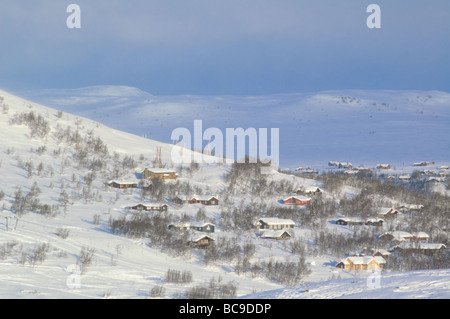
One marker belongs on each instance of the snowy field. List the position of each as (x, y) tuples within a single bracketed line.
[(129, 268), (431, 284)]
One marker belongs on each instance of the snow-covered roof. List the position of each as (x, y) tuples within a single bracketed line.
[(419, 245), (360, 220), (399, 235), (351, 219), (363, 260), (183, 197), (312, 189), (123, 182), (270, 233), (276, 221), (381, 251), (374, 219), (203, 197), (196, 237), (161, 170), (197, 197), (421, 234), (299, 197)]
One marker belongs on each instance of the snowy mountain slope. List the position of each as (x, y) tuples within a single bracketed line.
[(362, 127), (49, 164), (128, 274), (431, 284)]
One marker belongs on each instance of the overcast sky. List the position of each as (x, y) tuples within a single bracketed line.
[(213, 47)]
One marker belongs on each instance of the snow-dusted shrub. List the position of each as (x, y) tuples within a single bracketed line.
[(63, 232), (3, 106), (96, 219), (178, 277), (38, 254), (38, 125), (287, 273), (7, 249), (214, 290), (157, 292), (86, 258), (49, 211)]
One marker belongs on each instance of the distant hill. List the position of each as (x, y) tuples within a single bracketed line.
[(362, 127)]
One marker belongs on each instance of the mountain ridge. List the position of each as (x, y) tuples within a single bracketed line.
[(361, 126)]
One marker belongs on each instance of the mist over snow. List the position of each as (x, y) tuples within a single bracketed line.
[(357, 126)]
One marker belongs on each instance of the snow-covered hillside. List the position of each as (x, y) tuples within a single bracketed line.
[(59, 165), (430, 284), (48, 162), (362, 127)]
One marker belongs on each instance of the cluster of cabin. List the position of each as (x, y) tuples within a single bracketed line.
[(159, 208), (423, 248), (340, 164), (196, 239), (429, 176), (268, 228), (401, 241), (413, 242), (436, 176), (278, 228), (398, 236), (147, 175), (196, 199), (398, 241), (385, 213), (274, 228), (197, 236)]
